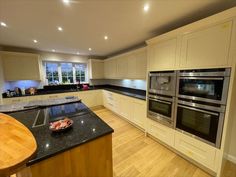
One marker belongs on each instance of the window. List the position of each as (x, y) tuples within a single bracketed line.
[(66, 72), (52, 72), (80, 70)]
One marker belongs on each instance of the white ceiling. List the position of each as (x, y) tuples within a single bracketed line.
[(85, 22)]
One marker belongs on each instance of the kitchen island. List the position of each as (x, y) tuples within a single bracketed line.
[(83, 150)]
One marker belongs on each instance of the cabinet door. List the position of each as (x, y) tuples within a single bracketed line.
[(110, 69), (122, 67), (96, 69), (21, 66), (106, 68), (196, 150), (139, 112), (206, 48), (141, 65), (161, 132), (162, 55), (131, 66), (125, 107)]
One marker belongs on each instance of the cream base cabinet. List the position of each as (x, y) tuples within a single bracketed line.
[(21, 66), (126, 107), (91, 98), (196, 150), (111, 101), (162, 55), (161, 132), (139, 112), (206, 48)]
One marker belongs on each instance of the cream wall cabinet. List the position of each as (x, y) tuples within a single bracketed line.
[(110, 68), (96, 69), (162, 55), (132, 65), (161, 132), (208, 47), (196, 150), (21, 66)]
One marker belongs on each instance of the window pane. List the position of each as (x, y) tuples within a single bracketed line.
[(67, 72), (52, 72), (80, 72)]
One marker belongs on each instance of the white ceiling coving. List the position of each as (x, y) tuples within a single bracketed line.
[(85, 23)]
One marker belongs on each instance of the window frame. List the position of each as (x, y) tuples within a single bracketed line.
[(59, 69)]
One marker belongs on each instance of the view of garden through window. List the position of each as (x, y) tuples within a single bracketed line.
[(66, 72)]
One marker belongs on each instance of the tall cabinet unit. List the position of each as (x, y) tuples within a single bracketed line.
[(208, 43)]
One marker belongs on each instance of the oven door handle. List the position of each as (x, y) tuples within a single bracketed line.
[(199, 110), (161, 101), (203, 78)]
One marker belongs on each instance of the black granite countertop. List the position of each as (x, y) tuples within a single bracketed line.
[(135, 93), (87, 127)]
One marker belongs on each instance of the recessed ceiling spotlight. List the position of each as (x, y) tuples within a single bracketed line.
[(66, 1), (90, 49), (53, 50), (59, 28), (35, 41), (3, 24), (77, 53), (146, 7), (105, 37)]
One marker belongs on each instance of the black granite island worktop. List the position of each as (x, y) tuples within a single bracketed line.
[(87, 127)]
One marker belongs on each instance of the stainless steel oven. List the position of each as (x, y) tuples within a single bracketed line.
[(162, 82), (208, 85), (202, 121), (161, 109)]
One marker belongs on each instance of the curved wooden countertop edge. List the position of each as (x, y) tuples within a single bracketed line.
[(17, 144)]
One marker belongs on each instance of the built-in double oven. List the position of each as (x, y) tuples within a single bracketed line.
[(161, 96), (196, 107)]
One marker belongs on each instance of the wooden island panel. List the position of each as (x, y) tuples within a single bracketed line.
[(92, 159)]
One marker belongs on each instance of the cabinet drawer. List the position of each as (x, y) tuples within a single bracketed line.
[(196, 150), (161, 132)]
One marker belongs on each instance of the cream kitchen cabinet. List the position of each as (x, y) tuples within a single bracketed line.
[(206, 48), (96, 69), (125, 107), (162, 55), (132, 65), (161, 132), (122, 67), (138, 112), (110, 68), (21, 66), (91, 98), (111, 101), (196, 150)]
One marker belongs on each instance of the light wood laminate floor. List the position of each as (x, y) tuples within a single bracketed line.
[(135, 155)]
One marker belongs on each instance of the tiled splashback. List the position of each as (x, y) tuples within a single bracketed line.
[(136, 84), (22, 84)]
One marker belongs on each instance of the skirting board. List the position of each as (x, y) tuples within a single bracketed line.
[(231, 158)]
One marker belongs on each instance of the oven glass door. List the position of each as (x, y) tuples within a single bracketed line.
[(201, 123), (160, 84), (163, 108), (209, 88)]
